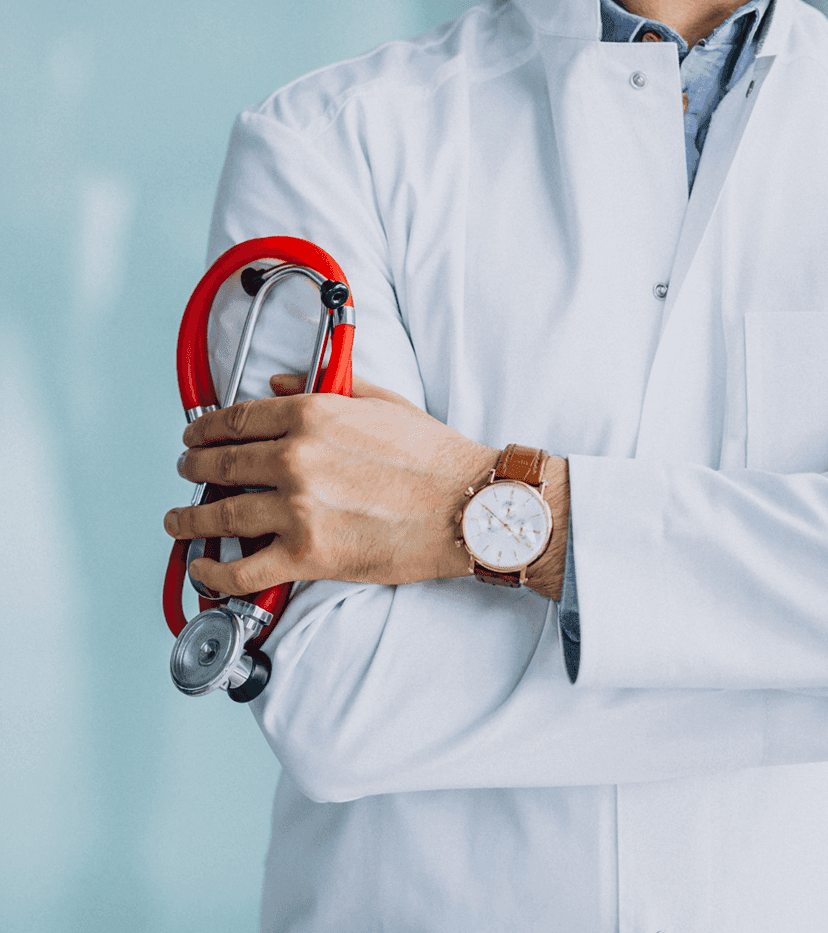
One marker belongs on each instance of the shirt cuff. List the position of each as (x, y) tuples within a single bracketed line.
[(569, 619)]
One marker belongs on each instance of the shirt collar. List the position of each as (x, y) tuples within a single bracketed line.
[(619, 25), (581, 19)]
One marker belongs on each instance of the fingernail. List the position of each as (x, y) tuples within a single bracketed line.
[(171, 522), (180, 465)]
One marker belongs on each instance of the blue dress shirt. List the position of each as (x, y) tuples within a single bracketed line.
[(708, 70)]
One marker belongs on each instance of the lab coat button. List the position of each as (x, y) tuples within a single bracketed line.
[(660, 291), (638, 79)]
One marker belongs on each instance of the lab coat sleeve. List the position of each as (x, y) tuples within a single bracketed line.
[(442, 684), (700, 578)]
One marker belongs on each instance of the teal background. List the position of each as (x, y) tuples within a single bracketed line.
[(123, 805)]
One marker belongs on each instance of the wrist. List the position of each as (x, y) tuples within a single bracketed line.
[(545, 575), (495, 531)]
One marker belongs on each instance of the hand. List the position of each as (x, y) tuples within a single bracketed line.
[(364, 489)]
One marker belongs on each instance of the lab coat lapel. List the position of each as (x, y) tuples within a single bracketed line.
[(683, 410), (723, 140), (596, 134)]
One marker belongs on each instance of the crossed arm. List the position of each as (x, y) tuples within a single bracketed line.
[(365, 489)]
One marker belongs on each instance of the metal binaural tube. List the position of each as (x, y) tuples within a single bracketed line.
[(269, 281), (322, 333)]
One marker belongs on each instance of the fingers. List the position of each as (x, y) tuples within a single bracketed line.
[(245, 516), (241, 577), (263, 419), (253, 464), (254, 420)]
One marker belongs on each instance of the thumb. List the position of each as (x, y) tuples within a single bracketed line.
[(294, 384), (288, 383), (242, 577)]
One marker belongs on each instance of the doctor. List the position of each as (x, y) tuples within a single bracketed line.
[(594, 230)]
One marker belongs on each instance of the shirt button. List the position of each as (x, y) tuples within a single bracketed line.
[(638, 79), (660, 291), (650, 36)]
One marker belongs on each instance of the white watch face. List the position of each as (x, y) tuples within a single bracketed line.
[(506, 525)]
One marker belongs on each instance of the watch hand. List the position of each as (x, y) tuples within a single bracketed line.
[(501, 522)]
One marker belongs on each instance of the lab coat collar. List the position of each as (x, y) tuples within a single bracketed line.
[(581, 19), (774, 28)]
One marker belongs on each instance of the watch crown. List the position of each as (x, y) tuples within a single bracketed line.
[(458, 542), (469, 492)]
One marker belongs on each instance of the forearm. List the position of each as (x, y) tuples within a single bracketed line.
[(452, 684)]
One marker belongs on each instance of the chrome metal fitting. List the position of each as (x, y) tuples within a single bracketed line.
[(192, 413), (343, 315), (252, 617)]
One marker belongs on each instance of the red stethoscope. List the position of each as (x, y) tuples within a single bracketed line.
[(220, 648)]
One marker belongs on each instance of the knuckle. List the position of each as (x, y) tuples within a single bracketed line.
[(303, 536), (186, 522), (227, 466), (238, 418), (297, 507), (241, 579), (301, 454), (227, 517), (308, 411)]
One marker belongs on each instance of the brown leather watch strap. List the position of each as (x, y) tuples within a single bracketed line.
[(524, 464), (496, 578)]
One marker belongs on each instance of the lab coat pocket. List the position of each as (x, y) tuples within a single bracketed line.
[(786, 355)]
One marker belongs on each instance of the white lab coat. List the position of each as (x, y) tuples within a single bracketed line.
[(504, 199)]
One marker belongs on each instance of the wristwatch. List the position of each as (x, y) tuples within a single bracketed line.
[(506, 525)]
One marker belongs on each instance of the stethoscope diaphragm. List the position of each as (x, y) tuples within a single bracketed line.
[(209, 654)]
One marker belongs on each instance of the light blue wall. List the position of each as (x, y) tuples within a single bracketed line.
[(123, 805)]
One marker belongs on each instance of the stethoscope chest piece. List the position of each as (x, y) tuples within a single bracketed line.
[(209, 654)]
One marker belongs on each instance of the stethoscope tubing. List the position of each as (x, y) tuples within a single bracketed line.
[(195, 380), (198, 393)]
